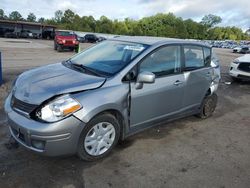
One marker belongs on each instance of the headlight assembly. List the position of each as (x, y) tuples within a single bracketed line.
[(236, 61), (58, 109)]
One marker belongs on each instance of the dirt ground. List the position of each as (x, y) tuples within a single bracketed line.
[(185, 153)]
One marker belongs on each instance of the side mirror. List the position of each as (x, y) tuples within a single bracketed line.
[(145, 77)]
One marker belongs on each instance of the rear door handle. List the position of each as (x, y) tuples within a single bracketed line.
[(178, 82)]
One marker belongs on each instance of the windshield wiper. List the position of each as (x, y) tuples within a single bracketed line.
[(86, 69)]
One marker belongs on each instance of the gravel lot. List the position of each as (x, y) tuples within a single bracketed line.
[(186, 153)]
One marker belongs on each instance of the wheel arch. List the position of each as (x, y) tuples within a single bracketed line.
[(118, 115)]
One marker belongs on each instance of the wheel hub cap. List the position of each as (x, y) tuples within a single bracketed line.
[(99, 138)]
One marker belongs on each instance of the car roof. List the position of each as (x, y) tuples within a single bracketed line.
[(63, 30), (157, 40)]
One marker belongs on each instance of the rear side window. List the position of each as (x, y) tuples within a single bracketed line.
[(194, 57)]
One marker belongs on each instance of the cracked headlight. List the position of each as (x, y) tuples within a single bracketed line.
[(58, 109)]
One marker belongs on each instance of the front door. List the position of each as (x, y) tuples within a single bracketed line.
[(164, 97)]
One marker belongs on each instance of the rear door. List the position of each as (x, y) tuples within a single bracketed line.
[(164, 97), (198, 74)]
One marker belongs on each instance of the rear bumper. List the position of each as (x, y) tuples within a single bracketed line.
[(50, 139)]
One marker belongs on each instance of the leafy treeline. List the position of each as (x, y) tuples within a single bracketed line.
[(163, 25)]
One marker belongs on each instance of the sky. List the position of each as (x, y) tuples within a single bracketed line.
[(232, 12)]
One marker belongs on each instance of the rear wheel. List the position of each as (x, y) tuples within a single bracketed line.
[(98, 138), (208, 106)]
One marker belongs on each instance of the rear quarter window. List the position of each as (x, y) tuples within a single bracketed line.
[(207, 56)]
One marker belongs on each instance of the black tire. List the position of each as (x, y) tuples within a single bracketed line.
[(59, 48), (208, 106), (106, 117), (55, 46), (236, 79)]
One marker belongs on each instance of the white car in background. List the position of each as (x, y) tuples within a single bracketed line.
[(237, 49), (240, 68)]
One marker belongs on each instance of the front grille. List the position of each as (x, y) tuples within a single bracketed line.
[(68, 42), (22, 106), (244, 67)]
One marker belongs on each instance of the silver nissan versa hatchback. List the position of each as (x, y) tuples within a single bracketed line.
[(108, 92)]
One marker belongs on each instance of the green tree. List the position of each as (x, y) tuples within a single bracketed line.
[(162, 25), (41, 20), (92, 23), (120, 28), (1, 14), (68, 16), (211, 20), (104, 25), (31, 17), (15, 15), (58, 16)]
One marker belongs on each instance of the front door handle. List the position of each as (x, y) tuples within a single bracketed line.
[(178, 82)]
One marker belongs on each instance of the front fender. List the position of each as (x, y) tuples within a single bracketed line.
[(102, 99)]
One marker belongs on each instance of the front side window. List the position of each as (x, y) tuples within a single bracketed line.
[(193, 57), (164, 61), (109, 57)]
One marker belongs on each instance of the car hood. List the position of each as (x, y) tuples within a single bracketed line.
[(244, 58), (37, 85)]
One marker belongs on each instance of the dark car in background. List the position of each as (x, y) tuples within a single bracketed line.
[(80, 38), (10, 33), (91, 38), (100, 39), (47, 34), (36, 35)]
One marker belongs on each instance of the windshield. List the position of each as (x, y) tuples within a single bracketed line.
[(64, 33), (108, 57)]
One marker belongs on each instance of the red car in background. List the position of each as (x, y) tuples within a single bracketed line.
[(65, 39)]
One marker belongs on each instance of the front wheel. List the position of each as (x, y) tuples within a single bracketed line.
[(208, 106), (236, 79), (55, 46), (59, 48), (99, 137)]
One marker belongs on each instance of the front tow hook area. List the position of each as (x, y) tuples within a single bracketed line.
[(11, 144)]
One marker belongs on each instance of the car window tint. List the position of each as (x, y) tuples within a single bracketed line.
[(164, 61), (193, 57), (207, 56)]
